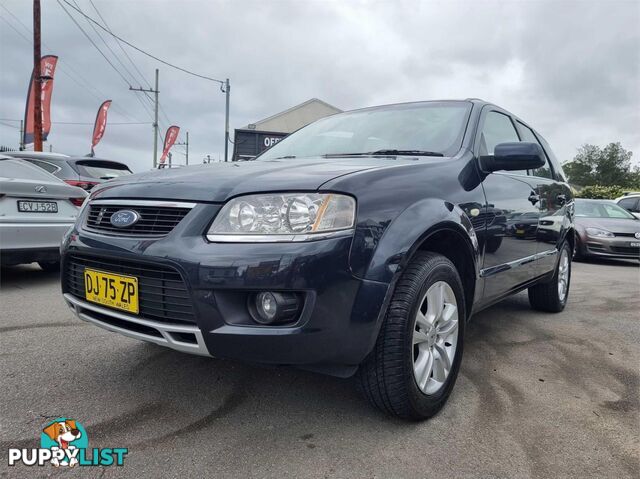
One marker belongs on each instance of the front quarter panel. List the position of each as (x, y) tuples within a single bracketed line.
[(399, 207)]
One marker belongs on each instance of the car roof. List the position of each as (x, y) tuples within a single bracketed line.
[(594, 200), (37, 155)]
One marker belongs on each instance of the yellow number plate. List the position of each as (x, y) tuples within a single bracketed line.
[(113, 290), (519, 232)]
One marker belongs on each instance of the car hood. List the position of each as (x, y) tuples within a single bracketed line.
[(219, 181), (610, 224)]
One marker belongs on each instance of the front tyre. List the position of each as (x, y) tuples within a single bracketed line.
[(49, 266), (552, 296), (414, 364)]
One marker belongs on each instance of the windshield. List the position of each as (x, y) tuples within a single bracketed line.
[(595, 209), (102, 169), (430, 128)]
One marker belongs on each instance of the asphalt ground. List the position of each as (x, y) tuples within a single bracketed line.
[(539, 395)]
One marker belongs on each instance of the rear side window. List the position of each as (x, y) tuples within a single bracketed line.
[(529, 136), (50, 168), (104, 170), (630, 204)]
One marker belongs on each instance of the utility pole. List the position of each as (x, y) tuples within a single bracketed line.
[(155, 124), (37, 99), (21, 143), (155, 91), (227, 91), (186, 144)]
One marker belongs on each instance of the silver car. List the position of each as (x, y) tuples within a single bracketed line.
[(36, 209), (605, 229)]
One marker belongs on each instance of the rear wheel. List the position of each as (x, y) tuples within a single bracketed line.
[(578, 250), (50, 266), (414, 364), (552, 296)]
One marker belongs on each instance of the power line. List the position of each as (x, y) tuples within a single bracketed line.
[(84, 122), (108, 47), (76, 77), (144, 80), (92, 42), (139, 49), (92, 123)]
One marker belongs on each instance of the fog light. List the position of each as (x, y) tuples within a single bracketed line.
[(271, 307)]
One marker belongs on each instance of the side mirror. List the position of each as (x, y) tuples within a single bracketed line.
[(513, 156)]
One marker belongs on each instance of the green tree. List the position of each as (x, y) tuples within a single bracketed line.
[(606, 166)]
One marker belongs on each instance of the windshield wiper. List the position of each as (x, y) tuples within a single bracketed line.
[(288, 157), (388, 153)]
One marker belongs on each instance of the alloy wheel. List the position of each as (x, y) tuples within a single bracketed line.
[(435, 337), (563, 275)]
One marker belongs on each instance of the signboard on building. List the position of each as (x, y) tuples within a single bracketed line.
[(250, 143)]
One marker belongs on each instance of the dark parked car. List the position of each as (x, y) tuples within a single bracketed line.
[(605, 229), (357, 245), (81, 171)]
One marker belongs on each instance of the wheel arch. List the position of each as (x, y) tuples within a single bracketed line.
[(430, 225)]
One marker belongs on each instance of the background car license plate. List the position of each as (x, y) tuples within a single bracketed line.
[(634, 245), (37, 206), (112, 290)]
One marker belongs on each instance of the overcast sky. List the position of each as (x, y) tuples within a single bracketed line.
[(571, 69)]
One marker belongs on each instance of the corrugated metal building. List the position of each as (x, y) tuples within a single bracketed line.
[(256, 137)]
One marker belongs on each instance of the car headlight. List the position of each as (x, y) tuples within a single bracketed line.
[(283, 217), (599, 233)]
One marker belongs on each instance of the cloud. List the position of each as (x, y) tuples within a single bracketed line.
[(571, 69)]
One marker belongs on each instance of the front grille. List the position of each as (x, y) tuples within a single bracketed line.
[(626, 235), (162, 293), (626, 250), (154, 220)]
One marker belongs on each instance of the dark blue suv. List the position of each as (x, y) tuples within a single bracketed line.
[(360, 244)]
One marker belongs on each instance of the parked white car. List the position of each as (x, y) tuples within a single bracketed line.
[(36, 210), (631, 203)]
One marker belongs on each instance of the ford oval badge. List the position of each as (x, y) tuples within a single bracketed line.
[(124, 218)]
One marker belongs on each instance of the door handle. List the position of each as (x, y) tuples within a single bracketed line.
[(562, 199), (534, 198)]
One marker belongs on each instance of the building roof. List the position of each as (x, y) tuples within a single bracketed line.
[(295, 117)]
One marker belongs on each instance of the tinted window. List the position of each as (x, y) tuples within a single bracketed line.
[(45, 165), (630, 204), (432, 126), (529, 136), (102, 169)]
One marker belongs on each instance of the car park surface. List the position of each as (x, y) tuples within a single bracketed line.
[(538, 395)]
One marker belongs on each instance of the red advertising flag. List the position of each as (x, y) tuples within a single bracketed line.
[(169, 139), (101, 123), (47, 69)]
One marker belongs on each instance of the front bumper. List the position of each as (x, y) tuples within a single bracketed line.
[(337, 328), (617, 247)]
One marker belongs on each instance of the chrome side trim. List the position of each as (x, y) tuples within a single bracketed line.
[(249, 238), (83, 310), (514, 264), (159, 203)]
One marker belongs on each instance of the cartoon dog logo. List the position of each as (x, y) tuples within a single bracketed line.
[(63, 432)]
